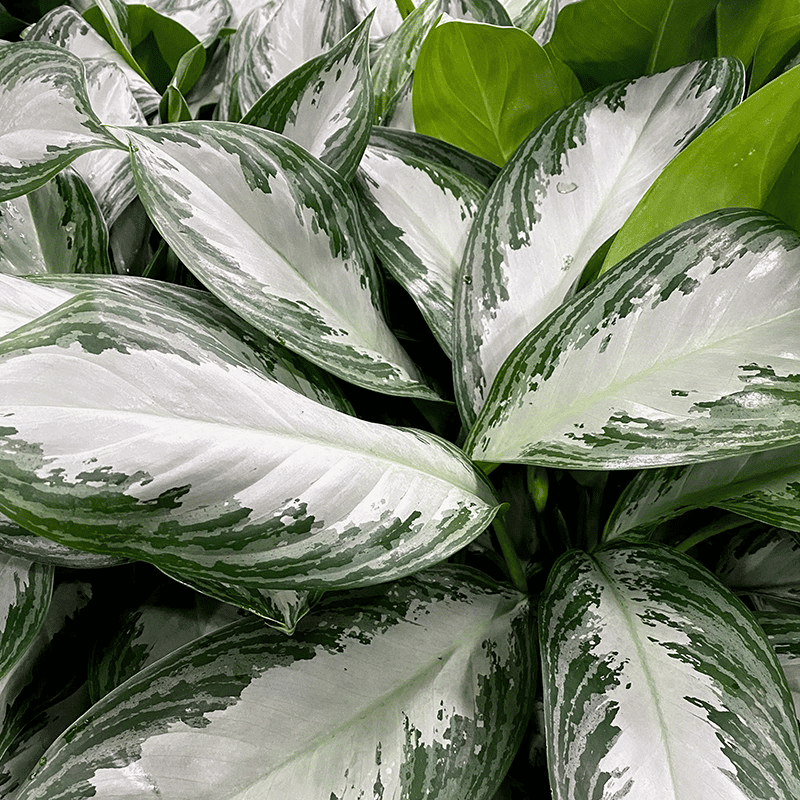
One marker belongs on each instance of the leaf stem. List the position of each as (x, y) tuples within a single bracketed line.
[(726, 523), (513, 564)]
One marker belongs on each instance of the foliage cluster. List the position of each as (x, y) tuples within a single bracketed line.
[(400, 400)]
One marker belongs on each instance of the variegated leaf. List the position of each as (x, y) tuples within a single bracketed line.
[(387, 17), (169, 618), (491, 12), (63, 26), (422, 691), (659, 683), (108, 172), (325, 105), (393, 64), (783, 632), (683, 353), (275, 234), (55, 228), (762, 486), (274, 40), (49, 121), (762, 562), (18, 542), (203, 18), (45, 691), (22, 301), (417, 215), (242, 343), (25, 591), (565, 191), (236, 480)]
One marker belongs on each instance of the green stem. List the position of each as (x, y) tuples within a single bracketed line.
[(727, 523), (513, 564), (405, 7)]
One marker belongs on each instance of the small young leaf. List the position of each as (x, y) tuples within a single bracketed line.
[(655, 677), (49, 122), (735, 163), (680, 354), (485, 88), (275, 234), (420, 692), (326, 105), (564, 193)]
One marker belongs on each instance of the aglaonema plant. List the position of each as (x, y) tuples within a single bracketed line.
[(399, 400)]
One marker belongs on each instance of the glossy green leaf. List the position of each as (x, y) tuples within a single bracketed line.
[(763, 563), (393, 64), (778, 43), (25, 590), (418, 692), (735, 163), (63, 26), (51, 122), (326, 105), (656, 680), (680, 354), (417, 214), (761, 486), (273, 233), (606, 40), (741, 25), (203, 18), (274, 40), (102, 449), (567, 189), (55, 228), (686, 32), (783, 632), (485, 88)]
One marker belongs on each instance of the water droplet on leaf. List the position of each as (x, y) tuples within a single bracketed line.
[(566, 187)]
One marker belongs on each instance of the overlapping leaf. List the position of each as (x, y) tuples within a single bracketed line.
[(275, 235), (761, 486), (204, 18), (63, 26), (749, 148), (22, 301), (57, 228), (683, 353), (659, 683), (419, 692), (273, 40), (783, 632), (48, 120), (763, 563), (566, 190), (140, 430), (25, 590), (326, 104), (417, 216)]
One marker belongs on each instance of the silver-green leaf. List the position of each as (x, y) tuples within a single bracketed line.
[(48, 120), (325, 105), (659, 683), (141, 430), (275, 234), (419, 692), (683, 353), (417, 215), (564, 192)]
